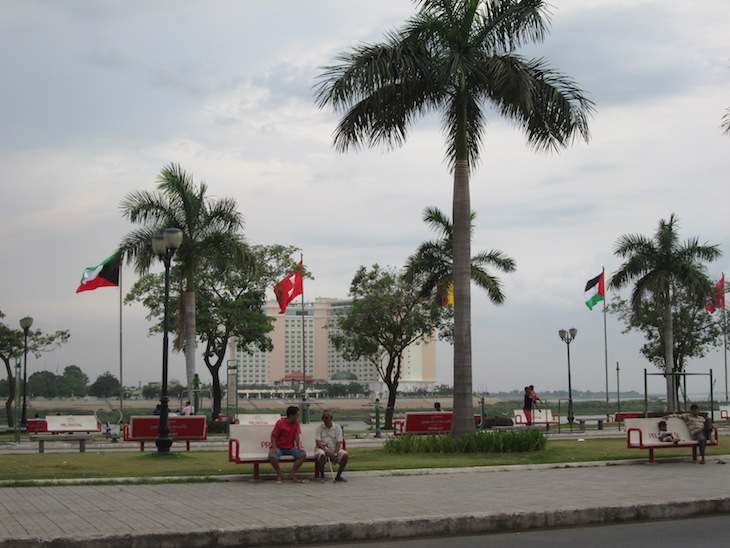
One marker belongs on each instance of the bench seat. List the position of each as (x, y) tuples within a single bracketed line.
[(187, 428), (64, 428), (644, 434), (250, 444)]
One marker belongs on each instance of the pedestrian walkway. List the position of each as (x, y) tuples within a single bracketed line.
[(372, 505)]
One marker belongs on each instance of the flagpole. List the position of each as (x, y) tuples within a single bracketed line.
[(304, 344), (121, 361), (605, 337), (724, 332)]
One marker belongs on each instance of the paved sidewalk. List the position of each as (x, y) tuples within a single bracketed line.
[(370, 506)]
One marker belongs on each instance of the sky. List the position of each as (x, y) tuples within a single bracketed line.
[(97, 97)]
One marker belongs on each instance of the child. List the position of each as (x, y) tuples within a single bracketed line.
[(665, 435)]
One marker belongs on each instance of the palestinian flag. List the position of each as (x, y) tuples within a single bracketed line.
[(104, 275), (595, 291)]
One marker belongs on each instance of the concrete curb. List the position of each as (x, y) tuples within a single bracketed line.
[(392, 529)]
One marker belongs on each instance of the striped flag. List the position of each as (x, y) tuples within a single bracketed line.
[(595, 291)]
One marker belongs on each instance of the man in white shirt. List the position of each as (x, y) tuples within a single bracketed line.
[(329, 439)]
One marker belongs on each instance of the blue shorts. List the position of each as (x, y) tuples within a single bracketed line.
[(281, 451)]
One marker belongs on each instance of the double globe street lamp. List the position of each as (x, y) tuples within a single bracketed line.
[(164, 246), (25, 324), (568, 337)]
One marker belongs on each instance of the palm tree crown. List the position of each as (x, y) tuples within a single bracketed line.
[(455, 57), (660, 266), (431, 264), (211, 234)]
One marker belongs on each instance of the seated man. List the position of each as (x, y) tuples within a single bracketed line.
[(285, 440), (700, 428), (328, 437)]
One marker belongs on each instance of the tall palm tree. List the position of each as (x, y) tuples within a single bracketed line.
[(210, 234), (456, 57), (660, 267), (431, 264)]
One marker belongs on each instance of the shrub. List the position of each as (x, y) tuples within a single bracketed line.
[(509, 441)]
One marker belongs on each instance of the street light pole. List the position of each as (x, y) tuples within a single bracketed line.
[(164, 246), (568, 337), (25, 324)]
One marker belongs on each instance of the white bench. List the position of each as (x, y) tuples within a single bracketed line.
[(250, 444), (539, 416), (725, 412), (644, 434), (249, 419), (66, 428)]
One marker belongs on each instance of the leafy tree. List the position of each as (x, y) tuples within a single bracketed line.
[(455, 57), (12, 346), (210, 236), (151, 392), (695, 330), (432, 269), (73, 382), (387, 315), (662, 269), (44, 384), (230, 304), (105, 386)]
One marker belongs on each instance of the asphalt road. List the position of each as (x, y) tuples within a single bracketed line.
[(701, 531)]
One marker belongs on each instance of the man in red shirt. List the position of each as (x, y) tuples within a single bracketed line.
[(285, 441)]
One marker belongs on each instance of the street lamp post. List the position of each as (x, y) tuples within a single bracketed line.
[(25, 324), (568, 337), (164, 246)]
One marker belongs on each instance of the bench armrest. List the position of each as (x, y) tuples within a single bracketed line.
[(233, 449)]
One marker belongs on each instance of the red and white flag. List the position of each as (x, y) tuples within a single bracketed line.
[(718, 297)]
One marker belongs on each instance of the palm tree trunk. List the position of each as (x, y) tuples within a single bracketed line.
[(463, 420), (669, 356), (190, 338)]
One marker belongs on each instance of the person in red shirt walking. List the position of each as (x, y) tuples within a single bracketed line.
[(285, 441)]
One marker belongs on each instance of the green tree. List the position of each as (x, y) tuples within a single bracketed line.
[(73, 382), (431, 265), (105, 386), (455, 57), (230, 304), (210, 236), (661, 269), (387, 315), (44, 384), (12, 346), (695, 330)]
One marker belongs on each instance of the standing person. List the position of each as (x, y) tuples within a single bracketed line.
[(329, 439), (527, 406), (285, 440), (188, 409), (700, 428)]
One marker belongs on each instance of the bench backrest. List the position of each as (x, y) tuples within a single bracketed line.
[(182, 427), (650, 430), (256, 439), (427, 421), (539, 416), (253, 420), (724, 412), (72, 423)]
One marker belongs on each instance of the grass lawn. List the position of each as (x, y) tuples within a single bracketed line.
[(204, 464)]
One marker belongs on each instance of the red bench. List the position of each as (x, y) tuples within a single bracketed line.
[(426, 422), (185, 428)]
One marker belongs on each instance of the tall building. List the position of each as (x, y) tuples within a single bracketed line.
[(301, 342)]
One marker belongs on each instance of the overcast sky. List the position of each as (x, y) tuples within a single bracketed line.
[(97, 97)]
